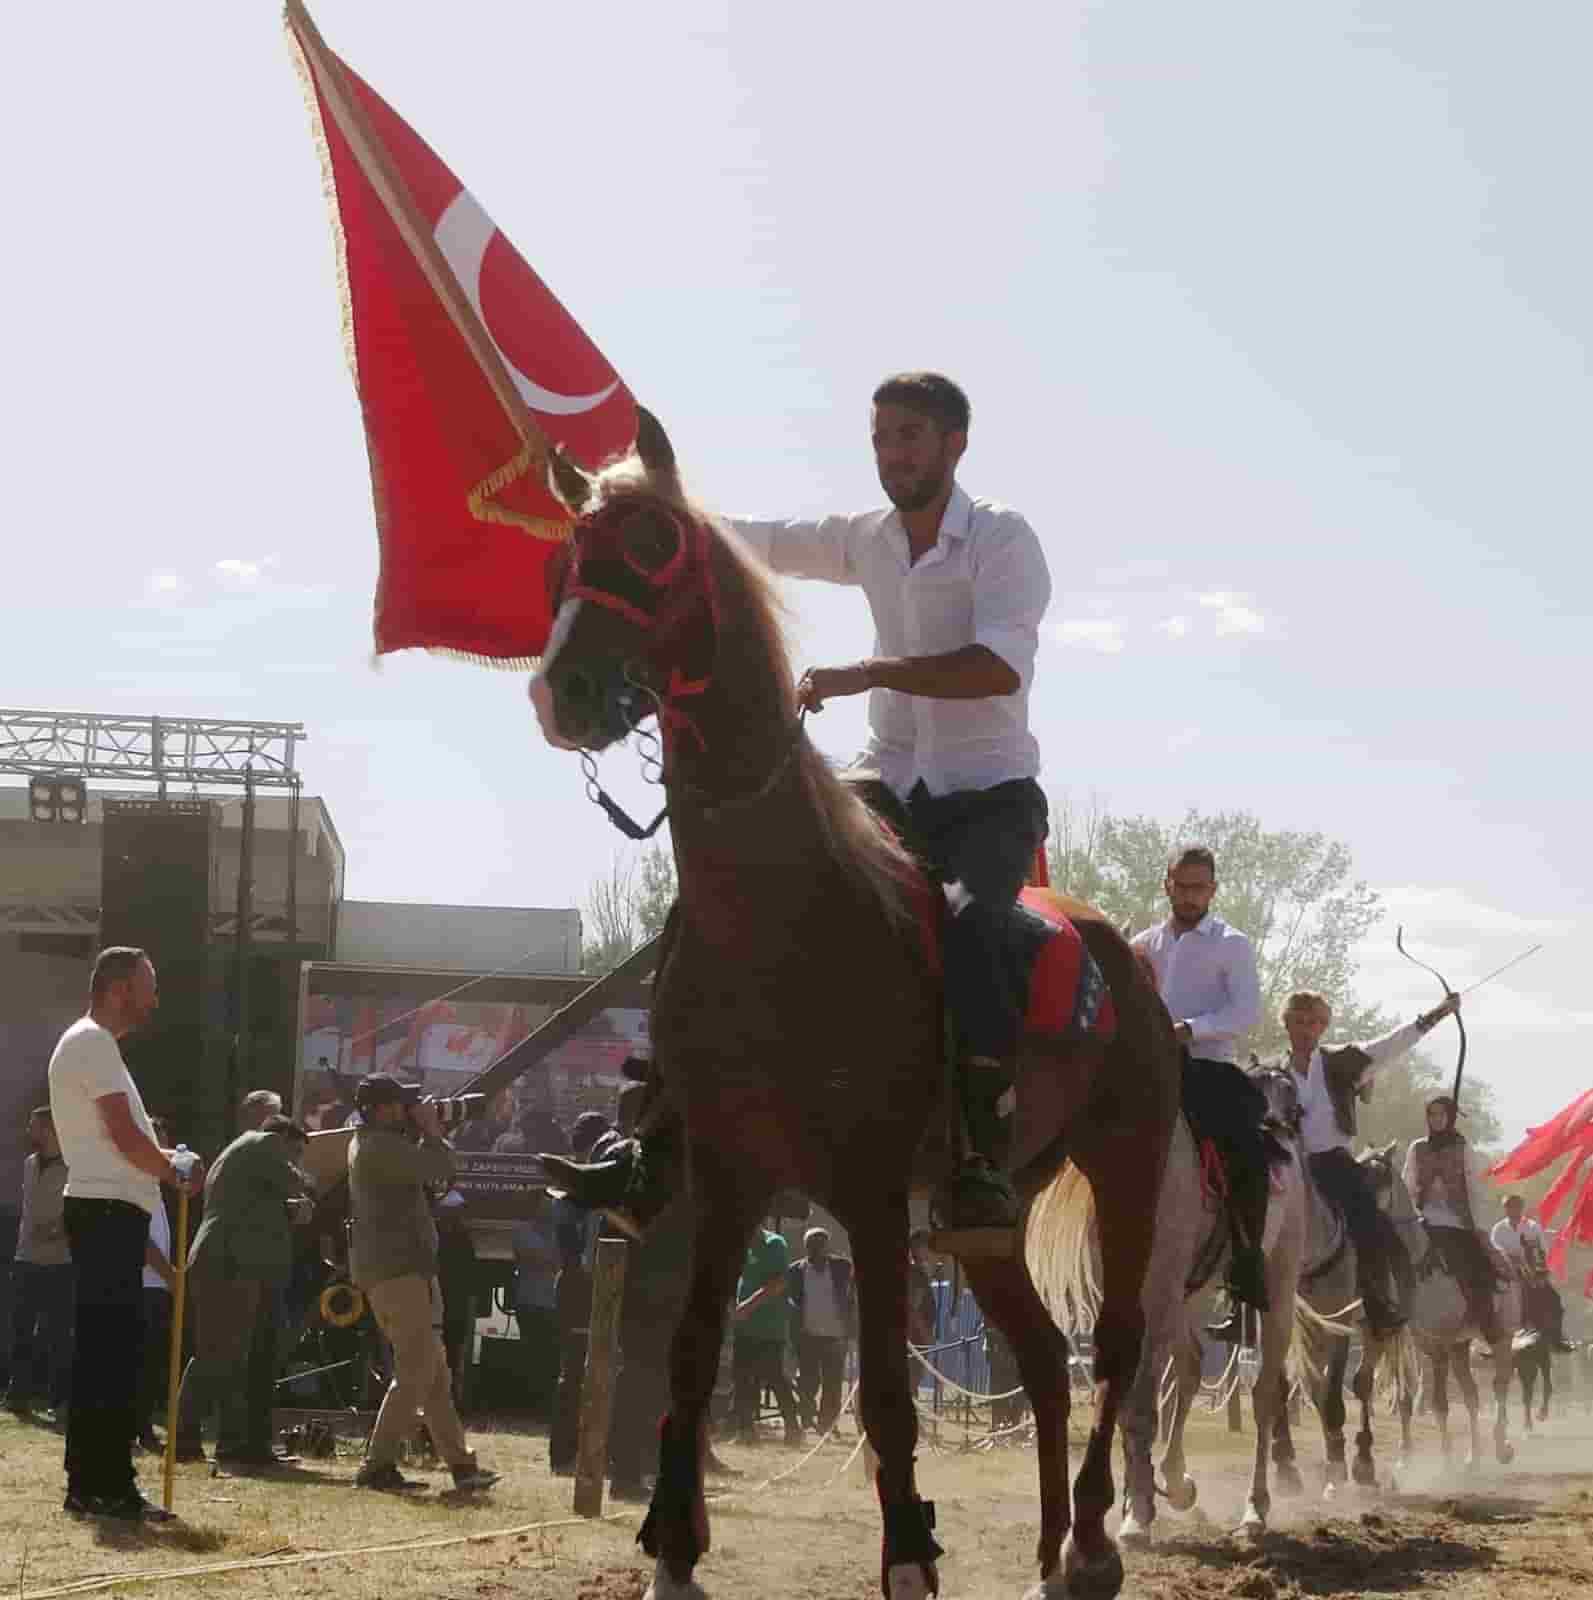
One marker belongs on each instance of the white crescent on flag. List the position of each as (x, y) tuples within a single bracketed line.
[(463, 233)]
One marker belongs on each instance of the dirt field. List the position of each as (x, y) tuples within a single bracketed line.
[(1526, 1531)]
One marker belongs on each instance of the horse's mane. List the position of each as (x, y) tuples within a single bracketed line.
[(862, 847)]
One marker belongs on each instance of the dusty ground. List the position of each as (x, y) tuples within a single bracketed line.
[(1526, 1530)]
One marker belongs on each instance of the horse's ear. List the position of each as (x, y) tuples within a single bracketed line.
[(570, 482), (653, 446)]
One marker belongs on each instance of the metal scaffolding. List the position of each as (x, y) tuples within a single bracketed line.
[(159, 750)]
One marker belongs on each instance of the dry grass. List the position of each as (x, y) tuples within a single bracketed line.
[(1520, 1532)]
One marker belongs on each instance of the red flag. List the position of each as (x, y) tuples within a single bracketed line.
[(1545, 1145), (1568, 1133), (466, 367)]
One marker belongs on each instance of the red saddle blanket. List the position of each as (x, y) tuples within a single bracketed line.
[(1067, 993), (1061, 988)]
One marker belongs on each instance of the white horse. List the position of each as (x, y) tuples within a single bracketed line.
[(1443, 1327), (1329, 1290), (1190, 1247)]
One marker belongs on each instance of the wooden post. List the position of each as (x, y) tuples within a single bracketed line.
[(174, 1371), (597, 1392)]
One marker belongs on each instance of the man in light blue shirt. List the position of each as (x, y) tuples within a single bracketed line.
[(1206, 975)]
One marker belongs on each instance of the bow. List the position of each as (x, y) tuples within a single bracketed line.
[(1460, 1064)]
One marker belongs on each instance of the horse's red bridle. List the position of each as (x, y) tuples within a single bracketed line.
[(683, 583)]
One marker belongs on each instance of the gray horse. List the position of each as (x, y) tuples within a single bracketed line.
[(1189, 1249), (1444, 1329), (1330, 1300)]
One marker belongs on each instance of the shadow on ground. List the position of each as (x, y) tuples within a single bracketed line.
[(1374, 1556)]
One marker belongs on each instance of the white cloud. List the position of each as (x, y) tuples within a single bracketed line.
[(1444, 911), (1240, 619), (1173, 627), (1090, 633), (242, 573), (164, 585), (1233, 612)]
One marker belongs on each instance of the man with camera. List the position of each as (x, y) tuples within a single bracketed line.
[(396, 1154)]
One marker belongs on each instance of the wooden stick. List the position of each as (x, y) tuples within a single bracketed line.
[(175, 1370), (391, 190), (597, 1392)]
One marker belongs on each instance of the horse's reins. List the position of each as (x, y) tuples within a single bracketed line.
[(679, 604)]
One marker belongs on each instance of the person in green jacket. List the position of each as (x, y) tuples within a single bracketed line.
[(238, 1269)]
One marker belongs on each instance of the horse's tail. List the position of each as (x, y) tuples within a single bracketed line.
[(1311, 1328), (1401, 1373), (1060, 1247)]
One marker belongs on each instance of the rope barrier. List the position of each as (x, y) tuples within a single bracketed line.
[(780, 1477), (955, 1387), (304, 1557)]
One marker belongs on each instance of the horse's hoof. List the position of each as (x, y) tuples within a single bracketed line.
[(1286, 1479), (664, 1587), (1183, 1494), (1364, 1474), (1252, 1526), (1087, 1577), (1506, 1452), (909, 1580), (1133, 1534)]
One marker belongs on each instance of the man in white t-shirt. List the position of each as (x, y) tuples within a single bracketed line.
[(115, 1172), (1519, 1239)]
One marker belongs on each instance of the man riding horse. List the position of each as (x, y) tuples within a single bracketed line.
[(1329, 1083), (1519, 1239), (1206, 975), (957, 588)]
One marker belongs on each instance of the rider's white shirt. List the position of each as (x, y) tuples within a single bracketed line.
[(984, 581), (1509, 1241), (1207, 978), (1320, 1128)]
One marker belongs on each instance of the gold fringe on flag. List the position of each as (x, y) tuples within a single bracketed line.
[(480, 499)]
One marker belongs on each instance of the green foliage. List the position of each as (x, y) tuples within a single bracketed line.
[(627, 907), (1296, 896)]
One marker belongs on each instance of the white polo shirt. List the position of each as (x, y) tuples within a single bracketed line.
[(86, 1066), (1511, 1241), (984, 581)]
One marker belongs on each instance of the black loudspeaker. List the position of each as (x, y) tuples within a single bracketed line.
[(155, 893)]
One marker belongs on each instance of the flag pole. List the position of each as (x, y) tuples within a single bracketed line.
[(326, 72), (174, 1370)]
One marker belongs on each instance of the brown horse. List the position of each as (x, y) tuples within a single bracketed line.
[(797, 1020)]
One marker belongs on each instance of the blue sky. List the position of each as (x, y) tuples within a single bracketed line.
[(1275, 321)]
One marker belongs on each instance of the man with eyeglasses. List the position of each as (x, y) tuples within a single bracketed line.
[(1206, 974)]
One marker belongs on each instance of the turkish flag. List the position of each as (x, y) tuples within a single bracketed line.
[(467, 367)]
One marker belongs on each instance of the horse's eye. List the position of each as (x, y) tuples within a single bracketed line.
[(649, 542)]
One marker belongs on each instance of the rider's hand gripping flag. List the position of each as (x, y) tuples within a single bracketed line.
[(467, 369)]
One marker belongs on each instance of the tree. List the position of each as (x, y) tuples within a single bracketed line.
[(1296, 896), (627, 906)]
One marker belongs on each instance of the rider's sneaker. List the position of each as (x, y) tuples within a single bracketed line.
[(1231, 1330), (978, 1195), (1247, 1279), (597, 1185)]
